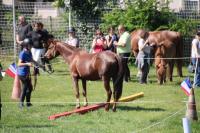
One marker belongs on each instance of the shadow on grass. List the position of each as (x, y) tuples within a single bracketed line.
[(60, 74), (54, 105), (59, 105), (138, 108), (135, 80), (35, 126), (27, 126)]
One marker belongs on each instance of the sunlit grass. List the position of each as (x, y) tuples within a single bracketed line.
[(160, 110)]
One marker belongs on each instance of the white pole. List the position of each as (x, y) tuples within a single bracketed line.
[(14, 32), (69, 14), (186, 125)]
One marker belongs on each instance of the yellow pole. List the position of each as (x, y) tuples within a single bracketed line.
[(130, 98)]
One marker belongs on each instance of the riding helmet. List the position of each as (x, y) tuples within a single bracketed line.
[(26, 42), (71, 29)]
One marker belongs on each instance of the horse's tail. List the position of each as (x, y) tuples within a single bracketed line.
[(118, 79)]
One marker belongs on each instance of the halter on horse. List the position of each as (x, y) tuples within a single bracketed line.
[(84, 66)]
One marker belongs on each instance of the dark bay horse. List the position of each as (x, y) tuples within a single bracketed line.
[(84, 66)]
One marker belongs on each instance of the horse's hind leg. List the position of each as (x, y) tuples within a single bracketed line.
[(170, 70), (76, 88), (179, 67), (84, 92), (114, 95), (106, 81)]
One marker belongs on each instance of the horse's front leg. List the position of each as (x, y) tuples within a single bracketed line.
[(108, 90), (76, 88), (84, 92)]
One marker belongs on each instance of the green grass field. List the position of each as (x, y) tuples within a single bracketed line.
[(160, 110)]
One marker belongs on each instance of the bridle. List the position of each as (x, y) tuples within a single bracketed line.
[(53, 47)]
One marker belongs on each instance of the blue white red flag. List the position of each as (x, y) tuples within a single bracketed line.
[(186, 86), (12, 70)]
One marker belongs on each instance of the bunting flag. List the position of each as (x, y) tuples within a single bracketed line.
[(186, 86), (12, 70)]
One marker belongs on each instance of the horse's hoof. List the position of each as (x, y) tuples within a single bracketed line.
[(107, 108), (78, 106), (114, 109), (85, 105)]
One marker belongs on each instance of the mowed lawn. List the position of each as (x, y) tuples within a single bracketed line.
[(160, 110)]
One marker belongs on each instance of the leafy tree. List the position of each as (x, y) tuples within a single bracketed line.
[(147, 14), (82, 8)]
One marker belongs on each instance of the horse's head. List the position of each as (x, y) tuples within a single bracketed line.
[(161, 63), (51, 49), (161, 70)]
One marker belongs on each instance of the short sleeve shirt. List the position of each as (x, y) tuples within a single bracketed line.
[(73, 42), (125, 38), (37, 38), (146, 49), (25, 56), (23, 30), (195, 43), (113, 38)]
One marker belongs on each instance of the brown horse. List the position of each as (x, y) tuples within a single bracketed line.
[(84, 66), (171, 43)]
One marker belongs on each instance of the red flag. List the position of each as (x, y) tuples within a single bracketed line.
[(186, 86), (12, 70)]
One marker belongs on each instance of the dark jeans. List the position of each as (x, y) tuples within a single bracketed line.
[(26, 90), (197, 76), (145, 71), (124, 57)]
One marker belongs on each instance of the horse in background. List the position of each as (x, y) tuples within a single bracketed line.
[(83, 66), (170, 40)]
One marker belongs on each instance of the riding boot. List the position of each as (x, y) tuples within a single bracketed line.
[(43, 60), (49, 67), (36, 71), (50, 70), (28, 98)]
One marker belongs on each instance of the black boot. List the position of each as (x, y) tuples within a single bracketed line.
[(28, 97)]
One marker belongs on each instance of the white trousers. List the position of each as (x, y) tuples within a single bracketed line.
[(37, 54)]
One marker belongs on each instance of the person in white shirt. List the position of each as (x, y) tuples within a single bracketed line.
[(142, 61), (195, 54), (72, 39)]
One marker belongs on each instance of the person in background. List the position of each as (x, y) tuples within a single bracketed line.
[(23, 71), (72, 39), (46, 61), (99, 42), (22, 30), (195, 58), (110, 38), (38, 37), (1, 68), (195, 42), (124, 49), (142, 61)]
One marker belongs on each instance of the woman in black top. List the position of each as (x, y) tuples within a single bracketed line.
[(38, 38)]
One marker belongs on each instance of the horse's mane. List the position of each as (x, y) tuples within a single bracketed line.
[(65, 45), (72, 47)]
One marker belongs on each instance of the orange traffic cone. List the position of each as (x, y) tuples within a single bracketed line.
[(16, 92), (191, 107)]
